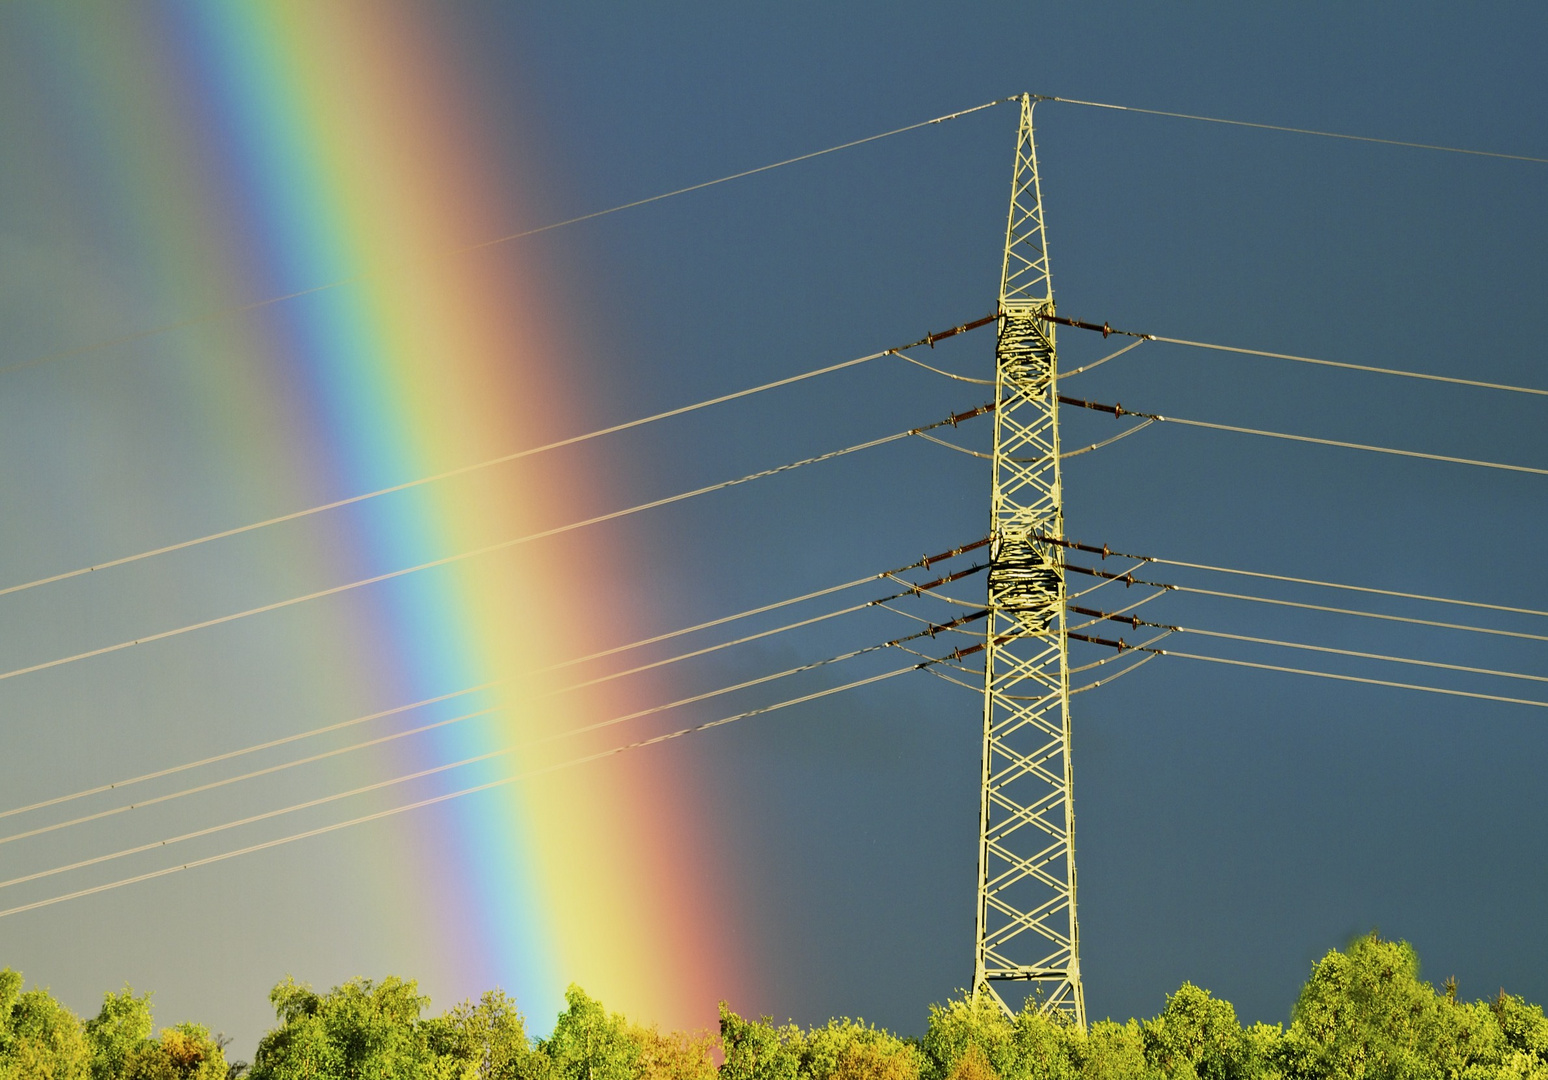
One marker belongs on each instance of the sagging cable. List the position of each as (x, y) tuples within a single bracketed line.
[(487, 463), (1118, 410), (1115, 676), (255, 305), (953, 420), (1121, 645), (1454, 380), (924, 665), (1098, 363), (140, 804)]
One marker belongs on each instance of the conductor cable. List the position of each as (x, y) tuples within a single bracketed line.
[(336, 751), (1119, 410), (502, 459), (1134, 621), (434, 770), (1106, 551), (926, 561), (501, 545), (1319, 362)]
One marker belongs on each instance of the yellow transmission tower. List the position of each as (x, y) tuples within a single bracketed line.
[(1026, 926)]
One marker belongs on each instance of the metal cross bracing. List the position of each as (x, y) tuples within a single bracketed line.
[(1026, 926)]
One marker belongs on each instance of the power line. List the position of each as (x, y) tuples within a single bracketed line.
[(1098, 363), (1063, 374), (1363, 655), (1356, 653), (881, 602), (501, 459), (926, 561), (1106, 551), (1119, 410), (1109, 441), (1447, 691), (1113, 677), (242, 309), (224, 781), (431, 801), (1128, 578), (501, 545), (431, 771), (1100, 616), (1358, 679), (1350, 588), (1294, 130), (1104, 329), (1452, 379), (210, 830), (1362, 614)]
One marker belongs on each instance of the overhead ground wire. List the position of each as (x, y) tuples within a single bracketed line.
[(1293, 130), (241, 309)]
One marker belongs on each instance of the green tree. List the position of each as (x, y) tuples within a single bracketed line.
[(973, 1033), (590, 1043), (117, 1032), (853, 1050), (676, 1055), (1111, 1051), (184, 1052), (1364, 1014), (122, 1047), (757, 1049), (362, 1029), (39, 1038), (1525, 1030), (1197, 1036), (483, 1041), (973, 1038)]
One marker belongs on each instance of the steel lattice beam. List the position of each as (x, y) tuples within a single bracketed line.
[(1026, 928)]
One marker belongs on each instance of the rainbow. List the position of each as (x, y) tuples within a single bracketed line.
[(273, 147)]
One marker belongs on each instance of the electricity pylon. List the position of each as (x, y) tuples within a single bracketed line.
[(1026, 849)]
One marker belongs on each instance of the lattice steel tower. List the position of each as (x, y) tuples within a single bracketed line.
[(1026, 850)]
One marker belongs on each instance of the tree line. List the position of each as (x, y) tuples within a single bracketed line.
[(1364, 1014)]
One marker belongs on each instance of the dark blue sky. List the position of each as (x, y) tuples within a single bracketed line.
[(1233, 824)]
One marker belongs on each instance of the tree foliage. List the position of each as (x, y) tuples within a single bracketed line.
[(40, 1039), (1364, 1014)]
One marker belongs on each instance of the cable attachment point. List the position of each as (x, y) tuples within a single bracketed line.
[(1024, 580), (1104, 328)]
